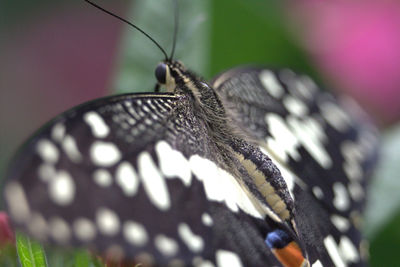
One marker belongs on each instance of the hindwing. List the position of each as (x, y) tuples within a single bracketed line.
[(325, 146)]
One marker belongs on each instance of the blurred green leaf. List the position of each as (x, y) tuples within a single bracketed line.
[(385, 246), (31, 253), (253, 32), (82, 259), (62, 257), (139, 56)]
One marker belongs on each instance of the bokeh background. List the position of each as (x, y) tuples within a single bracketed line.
[(57, 54)]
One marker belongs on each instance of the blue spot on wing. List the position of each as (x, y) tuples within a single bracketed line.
[(277, 239)]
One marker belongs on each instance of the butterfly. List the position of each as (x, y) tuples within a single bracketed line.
[(257, 167)]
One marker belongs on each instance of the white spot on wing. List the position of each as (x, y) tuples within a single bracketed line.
[(104, 154), (154, 184), (206, 219), (271, 83), (102, 177), (194, 242), (317, 264), (71, 149), (227, 258), (58, 132), (59, 230), (333, 251), (311, 135), (336, 117), (305, 86), (341, 200), (38, 226), (356, 190), (341, 223), (353, 156), (107, 221), (98, 126), (17, 202), (173, 163), (62, 188), (84, 229), (318, 193), (47, 151), (283, 143), (46, 172), (135, 233), (221, 186), (166, 245), (127, 178), (295, 106), (348, 250)]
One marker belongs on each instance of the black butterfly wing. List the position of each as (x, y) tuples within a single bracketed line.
[(134, 176), (325, 148)]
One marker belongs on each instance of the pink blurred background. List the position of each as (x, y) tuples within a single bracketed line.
[(356, 44)]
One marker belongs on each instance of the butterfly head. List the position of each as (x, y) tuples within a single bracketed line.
[(167, 72)]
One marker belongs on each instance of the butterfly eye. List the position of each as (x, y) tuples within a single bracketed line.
[(161, 73)]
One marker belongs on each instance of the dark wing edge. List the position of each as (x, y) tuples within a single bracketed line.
[(325, 146)]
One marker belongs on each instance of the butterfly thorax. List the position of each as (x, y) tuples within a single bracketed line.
[(206, 102), (264, 183)]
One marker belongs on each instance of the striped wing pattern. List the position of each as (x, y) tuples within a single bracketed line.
[(325, 146), (134, 176), (137, 176)]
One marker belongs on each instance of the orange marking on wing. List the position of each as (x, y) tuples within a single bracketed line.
[(290, 255)]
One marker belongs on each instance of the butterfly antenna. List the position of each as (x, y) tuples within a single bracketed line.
[(131, 24), (176, 11)]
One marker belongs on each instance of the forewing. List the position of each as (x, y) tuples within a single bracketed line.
[(135, 177), (324, 144)]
